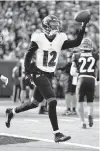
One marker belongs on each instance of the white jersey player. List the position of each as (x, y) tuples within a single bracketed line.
[(47, 46)]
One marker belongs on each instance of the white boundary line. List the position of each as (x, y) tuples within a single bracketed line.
[(51, 141), (31, 120), (75, 118)]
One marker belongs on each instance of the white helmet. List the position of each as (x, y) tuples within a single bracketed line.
[(86, 44)]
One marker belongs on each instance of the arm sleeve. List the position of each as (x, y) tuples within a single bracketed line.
[(73, 70), (76, 42), (28, 56)]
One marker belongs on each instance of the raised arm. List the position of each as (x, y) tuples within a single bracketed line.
[(76, 42), (73, 69)]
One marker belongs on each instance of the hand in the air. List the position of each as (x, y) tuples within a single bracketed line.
[(87, 20)]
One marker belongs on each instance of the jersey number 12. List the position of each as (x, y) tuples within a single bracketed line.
[(52, 62)]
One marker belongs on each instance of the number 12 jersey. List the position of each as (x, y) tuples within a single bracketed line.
[(48, 52)]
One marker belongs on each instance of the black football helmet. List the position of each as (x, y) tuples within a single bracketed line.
[(50, 25), (86, 44)]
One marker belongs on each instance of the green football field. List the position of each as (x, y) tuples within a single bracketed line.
[(31, 131)]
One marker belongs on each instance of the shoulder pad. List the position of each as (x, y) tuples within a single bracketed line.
[(35, 36), (64, 36), (96, 56)]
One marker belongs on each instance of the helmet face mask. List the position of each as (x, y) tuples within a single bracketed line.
[(86, 45), (51, 25)]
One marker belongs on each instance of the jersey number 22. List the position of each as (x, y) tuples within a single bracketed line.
[(84, 61)]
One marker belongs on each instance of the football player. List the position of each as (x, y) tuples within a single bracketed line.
[(69, 88), (85, 64), (16, 82), (47, 46)]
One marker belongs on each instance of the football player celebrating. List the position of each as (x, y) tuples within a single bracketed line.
[(85, 65), (47, 46)]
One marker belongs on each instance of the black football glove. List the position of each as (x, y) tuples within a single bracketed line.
[(28, 78)]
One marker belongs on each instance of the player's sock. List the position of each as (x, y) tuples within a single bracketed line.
[(74, 109), (90, 108), (25, 106), (80, 111), (57, 131), (83, 125), (13, 111), (68, 109), (53, 115), (68, 99)]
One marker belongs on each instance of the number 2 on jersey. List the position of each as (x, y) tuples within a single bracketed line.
[(84, 61), (52, 62)]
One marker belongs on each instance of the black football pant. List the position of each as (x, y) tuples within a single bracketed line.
[(85, 87), (42, 90)]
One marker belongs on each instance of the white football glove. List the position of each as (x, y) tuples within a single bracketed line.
[(4, 79)]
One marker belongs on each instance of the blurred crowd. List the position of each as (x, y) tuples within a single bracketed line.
[(19, 19)]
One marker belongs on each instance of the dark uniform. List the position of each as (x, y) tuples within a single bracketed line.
[(86, 66), (68, 86), (16, 82), (23, 81)]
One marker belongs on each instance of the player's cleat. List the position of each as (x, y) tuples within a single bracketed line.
[(67, 112), (90, 120), (73, 113), (84, 126), (59, 137), (9, 115)]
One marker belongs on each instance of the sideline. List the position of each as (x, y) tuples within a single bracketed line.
[(51, 141)]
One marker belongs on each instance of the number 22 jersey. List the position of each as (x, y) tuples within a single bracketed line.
[(48, 52), (85, 63)]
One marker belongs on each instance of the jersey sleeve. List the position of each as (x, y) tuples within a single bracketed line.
[(97, 57), (73, 58), (34, 37), (64, 36)]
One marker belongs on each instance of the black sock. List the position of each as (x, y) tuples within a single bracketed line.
[(25, 106), (74, 109), (69, 109), (53, 115)]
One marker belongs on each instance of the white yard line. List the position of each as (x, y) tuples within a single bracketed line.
[(67, 120), (31, 120), (51, 141), (75, 118)]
